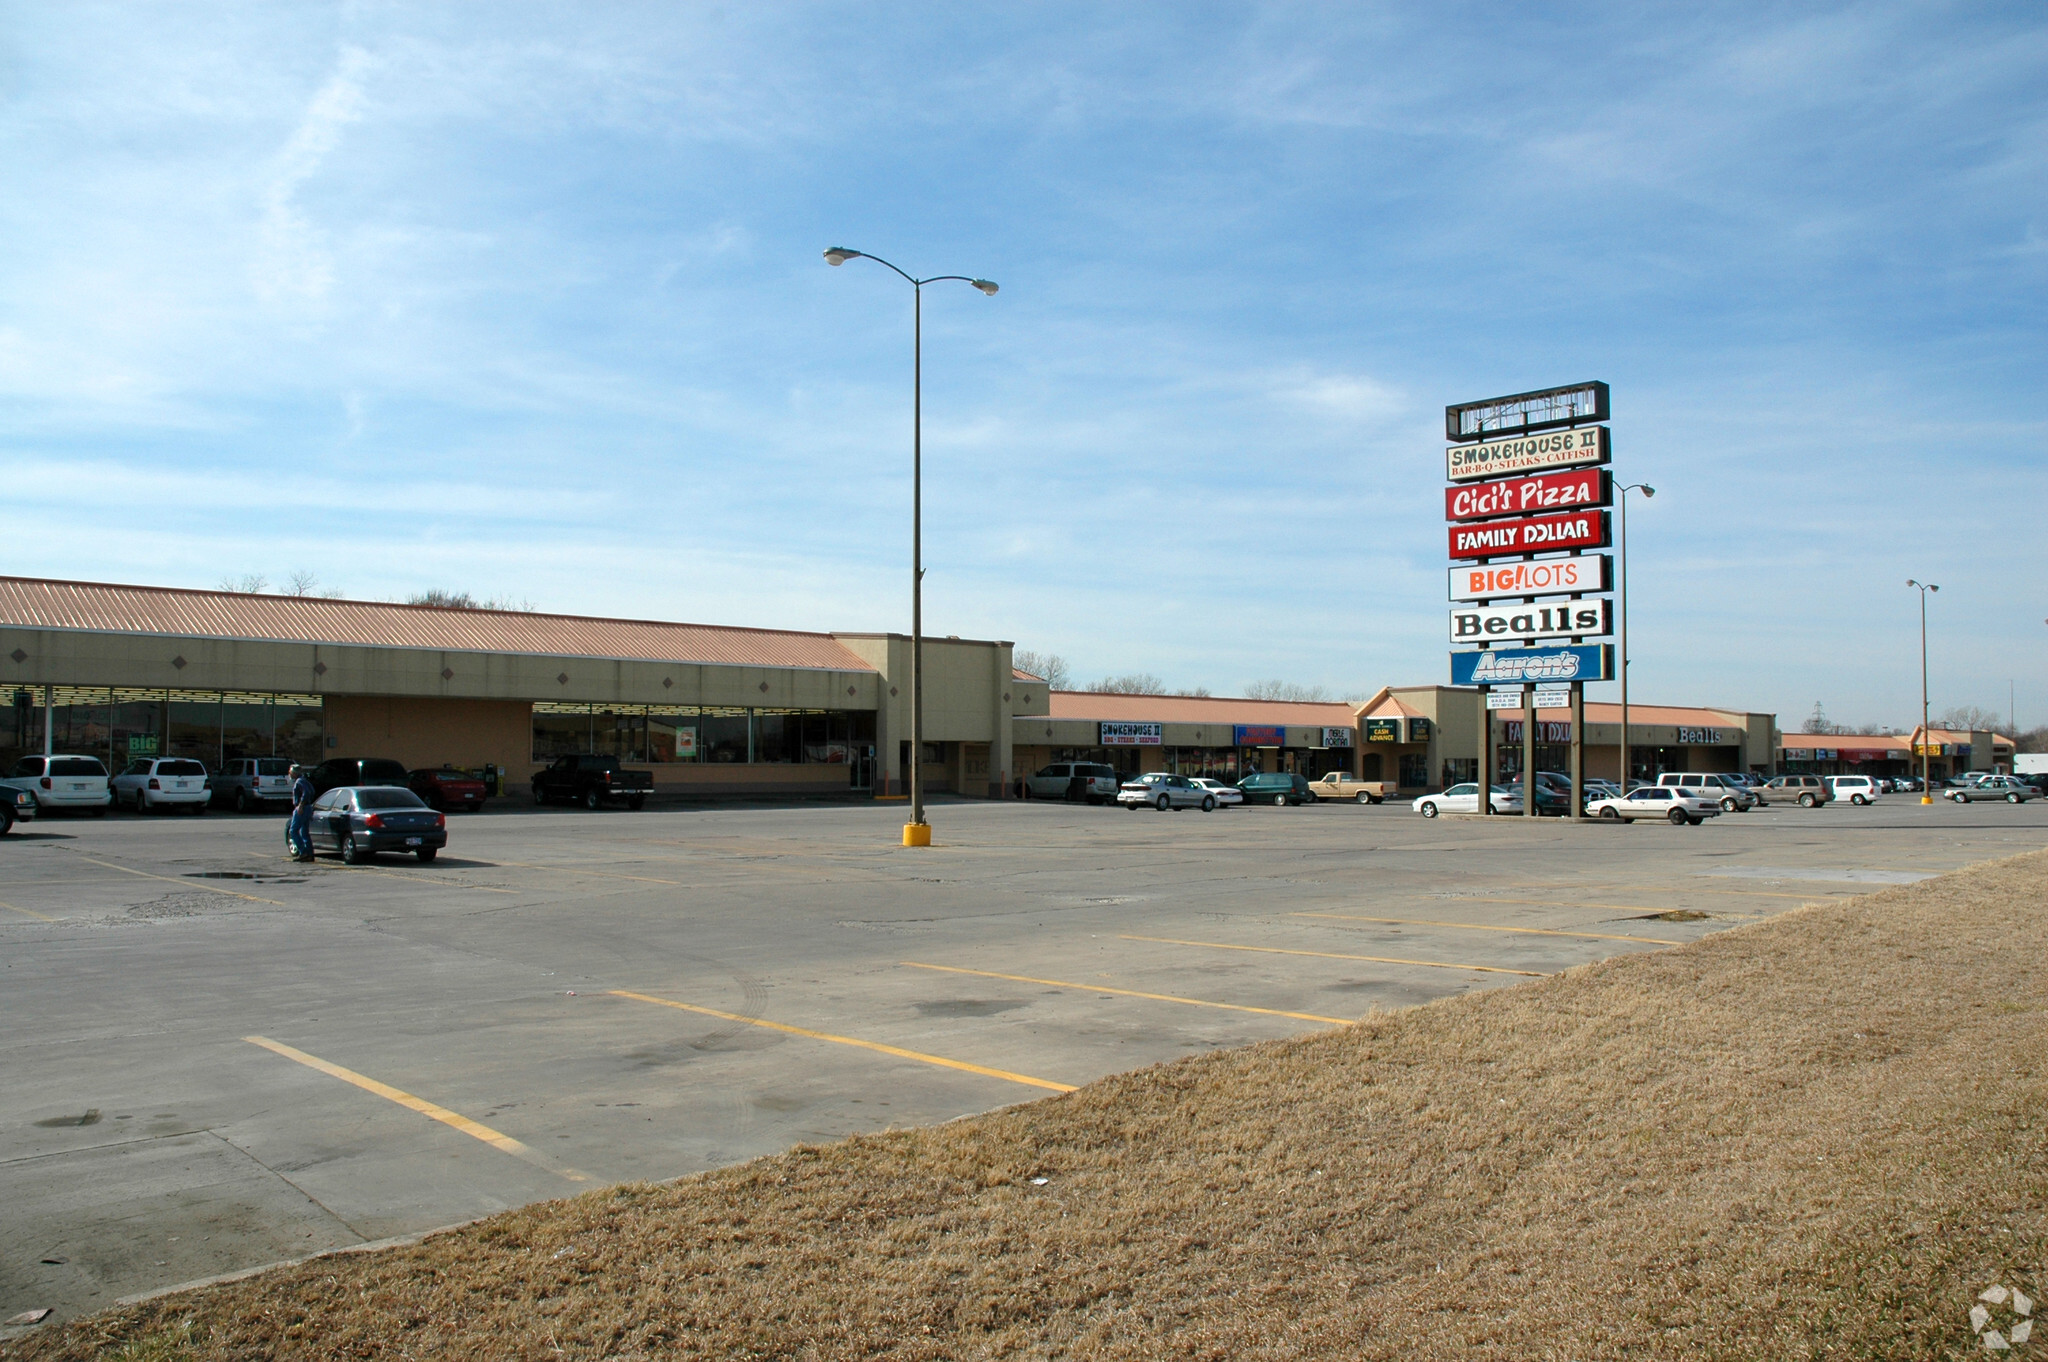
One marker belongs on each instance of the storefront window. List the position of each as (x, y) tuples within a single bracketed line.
[(1414, 770), (725, 736), (778, 737), (122, 724), (666, 734), (192, 727), (560, 731)]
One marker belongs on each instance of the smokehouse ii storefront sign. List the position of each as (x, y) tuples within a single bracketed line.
[(1132, 734), (1560, 619), (1512, 666), (1541, 534), (1542, 453)]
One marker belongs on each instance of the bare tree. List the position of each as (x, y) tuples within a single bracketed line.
[(302, 582), (1963, 718), (1131, 683), (249, 583), (1277, 689), (1051, 666), (463, 600), (2033, 740)]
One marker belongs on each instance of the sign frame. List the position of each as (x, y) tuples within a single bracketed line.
[(1573, 404)]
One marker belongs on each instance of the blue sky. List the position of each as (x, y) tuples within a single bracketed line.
[(528, 301)]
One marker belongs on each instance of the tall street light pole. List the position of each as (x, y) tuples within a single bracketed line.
[(1926, 790), (916, 833), (1621, 507)]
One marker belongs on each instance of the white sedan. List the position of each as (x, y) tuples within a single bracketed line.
[(1465, 799), (1678, 805), (1161, 791), (1226, 795)]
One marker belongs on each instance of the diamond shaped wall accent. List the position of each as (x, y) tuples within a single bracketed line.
[(18, 655), (667, 682), (764, 688), (319, 669), (179, 662), (447, 673), (562, 680)]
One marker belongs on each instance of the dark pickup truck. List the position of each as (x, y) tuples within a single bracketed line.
[(592, 782)]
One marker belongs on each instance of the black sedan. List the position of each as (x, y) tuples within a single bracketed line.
[(359, 821)]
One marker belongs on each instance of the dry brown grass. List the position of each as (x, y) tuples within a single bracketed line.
[(1818, 1136)]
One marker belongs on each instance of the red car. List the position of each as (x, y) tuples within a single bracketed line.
[(447, 788)]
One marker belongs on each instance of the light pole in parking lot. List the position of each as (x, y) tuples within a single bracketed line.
[(1926, 792), (916, 833), (1621, 522)]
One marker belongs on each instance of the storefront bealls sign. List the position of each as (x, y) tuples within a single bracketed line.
[(1527, 454), (1513, 666), (1336, 737), (1383, 730), (1131, 734), (1700, 737)]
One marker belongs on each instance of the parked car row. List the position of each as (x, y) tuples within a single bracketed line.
[(245, 784)]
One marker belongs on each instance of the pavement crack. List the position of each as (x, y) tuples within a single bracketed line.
[(329, 1211)]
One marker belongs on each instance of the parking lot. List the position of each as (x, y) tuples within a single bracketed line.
[(218, 1059)]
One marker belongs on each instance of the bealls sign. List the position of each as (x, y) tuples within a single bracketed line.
[(1540, 534), (1561, 619), (1513, 666)]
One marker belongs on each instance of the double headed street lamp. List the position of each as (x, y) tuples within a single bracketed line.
[(1926, 791), (1621, 507), (917, 833)]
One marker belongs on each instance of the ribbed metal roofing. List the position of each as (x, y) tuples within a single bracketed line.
[(33, 603)]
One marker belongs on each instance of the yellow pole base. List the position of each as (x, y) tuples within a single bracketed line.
[(1926, 799), (917, 834)]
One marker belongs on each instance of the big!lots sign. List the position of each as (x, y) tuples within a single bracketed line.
[(1528, 496), (1537, 534)]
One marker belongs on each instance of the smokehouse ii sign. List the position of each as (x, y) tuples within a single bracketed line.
[(1527, 454), (1131, 734), (1542, 534)]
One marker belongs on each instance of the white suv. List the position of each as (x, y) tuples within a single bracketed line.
[(1855, 789), (1100, 783), (71, 782), (163, 783)]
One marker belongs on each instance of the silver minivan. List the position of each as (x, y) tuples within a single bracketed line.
[(1099, 782), (1733, 795), (71, 782), (1855, 789)]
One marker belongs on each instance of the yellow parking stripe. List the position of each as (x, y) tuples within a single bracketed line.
[(1333, 955), (1477, 927), (29, 912), (1133, 993), (168, 879), (474, 1129), (876, 1046)]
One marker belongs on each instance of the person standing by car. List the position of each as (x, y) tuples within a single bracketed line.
[(300, 829)]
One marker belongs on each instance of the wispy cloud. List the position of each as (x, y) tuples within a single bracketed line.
[(292, 262)]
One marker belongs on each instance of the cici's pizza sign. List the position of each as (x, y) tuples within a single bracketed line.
[(1537, 534), (1529, 496)]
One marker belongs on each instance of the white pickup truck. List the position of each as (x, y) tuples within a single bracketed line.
[(1344, 785)]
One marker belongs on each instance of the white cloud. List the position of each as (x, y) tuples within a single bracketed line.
[(292, 261)]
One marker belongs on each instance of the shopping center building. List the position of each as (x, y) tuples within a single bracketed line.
[(1950, 752), (122, 672)]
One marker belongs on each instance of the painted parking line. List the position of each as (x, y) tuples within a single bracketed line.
[(453, 1119), (601, 874), (879, 1048), (1132, 993), (421, 879), (1334, 955), (1478, 927), (29, 912), (170, 879)]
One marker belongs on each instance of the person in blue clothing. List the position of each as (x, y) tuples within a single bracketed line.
[(299, 830)]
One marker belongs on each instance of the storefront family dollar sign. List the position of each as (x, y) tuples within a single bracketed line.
[(1528, 484)]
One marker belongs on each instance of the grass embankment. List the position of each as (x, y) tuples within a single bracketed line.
[(1820, 1135)]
